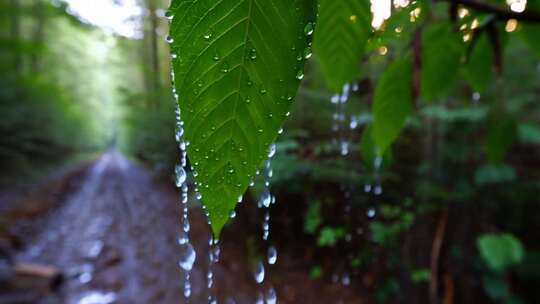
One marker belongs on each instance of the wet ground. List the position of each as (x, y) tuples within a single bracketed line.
[(114, 238)]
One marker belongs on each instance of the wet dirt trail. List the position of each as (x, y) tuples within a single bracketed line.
[(115, 241)]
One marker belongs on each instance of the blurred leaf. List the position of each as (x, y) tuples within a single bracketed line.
[(531, 31), (442, 112), (494, 173), (392, 104), (315, 272), (368, 150), (500, 251), (420, 275), (495, 287), (529, 133), (441, 54), (313, 220), (236, 76), (343, 28), (478, 70), (329, 236), (500, 137), (367, 147)]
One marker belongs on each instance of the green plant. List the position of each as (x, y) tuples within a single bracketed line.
[(236, 89)]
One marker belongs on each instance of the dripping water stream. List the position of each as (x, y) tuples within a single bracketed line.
[(266, 199)]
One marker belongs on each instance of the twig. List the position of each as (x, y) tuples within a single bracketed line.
[(435, 254), (500, 13)]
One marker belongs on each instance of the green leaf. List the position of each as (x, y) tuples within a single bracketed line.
[(392, 104), (531, 34), (501, 135), (531, 31), (368, 150), (441, 54), (420, 275), (329, 236), (495, 287), (494, 173), (236, 73), (313, 219), (343, 29), (529, 133), (500, 250), (478, 71)]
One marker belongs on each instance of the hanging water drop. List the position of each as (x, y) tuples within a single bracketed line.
[(308, 29), (180, 176), (266, 198), (271, 297), (259, 299), (225, 67), (188, 258), (344, 148), (187, 288), (367, 188), (371, 212), (259, 273), (272, 255), (253, 54), (300, 75), (307, 52), (271, 150), (377, 190), (208, 34)]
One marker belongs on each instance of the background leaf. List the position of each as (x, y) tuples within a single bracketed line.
[(500, 250), (343, 29), (501, 135), (478, 70), (392, 104), (237, 72), (441, 53), (531, 31)]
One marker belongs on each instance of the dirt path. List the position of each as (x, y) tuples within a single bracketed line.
[(115, 239)]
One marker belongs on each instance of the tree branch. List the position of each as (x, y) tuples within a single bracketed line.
[(500, 13)]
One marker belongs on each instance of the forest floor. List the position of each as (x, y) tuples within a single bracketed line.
[(113, 235)]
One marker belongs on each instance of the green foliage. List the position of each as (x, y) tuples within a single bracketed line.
[(531, 31), (235, 88), (500, 251), (461, 114), (529, 133), (392, 104), (316, 272), (329, 236), (313, 220), (142, 125), (441, 54), (494, 173), (343, 28), (500, 137), (396, 220), (478, 70), (420, 275)]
